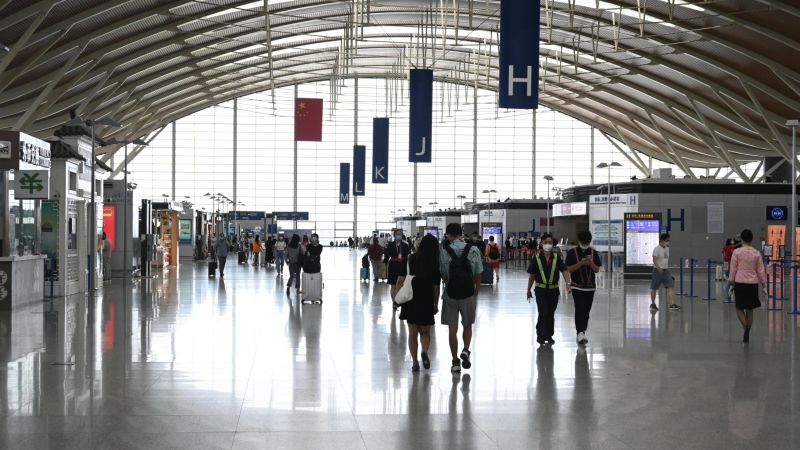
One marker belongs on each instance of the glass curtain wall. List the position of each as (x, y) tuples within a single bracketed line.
[(506, 160)]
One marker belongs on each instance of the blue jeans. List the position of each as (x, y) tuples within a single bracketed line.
[(280, 257), (294, 274)]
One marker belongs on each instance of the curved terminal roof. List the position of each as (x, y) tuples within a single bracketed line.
[(696, 83)]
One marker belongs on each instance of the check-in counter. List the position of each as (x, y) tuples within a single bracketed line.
[(21, 281)]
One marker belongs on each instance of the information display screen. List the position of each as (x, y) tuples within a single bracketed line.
[(432, 231), (109, 224), (495, 231), (641, 237)]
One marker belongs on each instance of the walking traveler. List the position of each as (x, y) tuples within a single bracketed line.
[(222, 253), (418, 313), (397, 256), (375, 258), (461, 265), (256, 246), (106, 258), (584, 260), (544, 270), (747, 275), (661, 275), (492, 254), (294, 255), (280, 255)]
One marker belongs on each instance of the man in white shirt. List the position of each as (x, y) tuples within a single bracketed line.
[(661, 275)]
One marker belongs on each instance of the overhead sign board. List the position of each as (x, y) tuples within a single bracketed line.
[(570, 209), (247, 215), (291, 215)]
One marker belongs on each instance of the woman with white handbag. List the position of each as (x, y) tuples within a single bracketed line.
[(419, 297)]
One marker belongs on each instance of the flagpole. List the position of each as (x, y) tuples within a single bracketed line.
[(355, 142), (295, 163)]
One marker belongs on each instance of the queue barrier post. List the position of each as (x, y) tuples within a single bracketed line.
[(709, 267), (794, 293), (785, 264), (680, 276), (774, 306), (691, 278)]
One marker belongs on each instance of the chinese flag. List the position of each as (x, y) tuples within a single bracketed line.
[(308, 119)]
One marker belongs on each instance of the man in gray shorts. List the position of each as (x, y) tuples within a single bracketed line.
[(459, 297), (661, 275)]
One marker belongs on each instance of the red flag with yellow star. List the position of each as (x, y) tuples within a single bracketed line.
[(308, 119)]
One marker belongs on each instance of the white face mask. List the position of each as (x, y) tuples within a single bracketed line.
[(547, 247), (584, 246), (666, 244)]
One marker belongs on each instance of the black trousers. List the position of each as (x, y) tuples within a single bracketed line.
[(546, 304), (583, 305), (222, 260)]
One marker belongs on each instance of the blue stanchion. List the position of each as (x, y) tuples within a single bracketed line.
[(709, 267), (691, 278), (680, 276), (794, 294)]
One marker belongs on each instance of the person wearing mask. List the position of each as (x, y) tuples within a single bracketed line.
[(312, 255), (280, 255), (584, 261), (661, 275), (418, 313), (256, 246), (382, 240), (461, 265), (106, 258), (375, 258), (397, 256), (304, 244), (293, 256), (727, 255), (221, 249), (544, 270), (492, 255), (747, 275)]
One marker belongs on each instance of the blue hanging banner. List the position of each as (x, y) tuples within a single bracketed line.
[(380, 150), (420, 129), (344, 183), (519, 54), (359, 170)]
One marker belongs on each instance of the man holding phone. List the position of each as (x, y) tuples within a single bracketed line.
[(583, 262)]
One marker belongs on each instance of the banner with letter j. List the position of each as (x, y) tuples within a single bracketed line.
[(519, 54), (359, 169), (344, 183), (380, 150), (420, 129)]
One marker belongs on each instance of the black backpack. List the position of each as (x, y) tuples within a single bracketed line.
[(494, 253), (460, 279)]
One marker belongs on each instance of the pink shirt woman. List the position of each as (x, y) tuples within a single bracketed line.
[(747, 266)]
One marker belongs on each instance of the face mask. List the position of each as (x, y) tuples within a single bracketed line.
[(547, 247), (584, 246), (314, 240), (666, 244), (398, 237)]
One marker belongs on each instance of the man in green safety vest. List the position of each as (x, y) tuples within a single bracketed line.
[(544, 270)]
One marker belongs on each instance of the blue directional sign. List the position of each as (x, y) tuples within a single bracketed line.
[(247, 215), (294, 215)]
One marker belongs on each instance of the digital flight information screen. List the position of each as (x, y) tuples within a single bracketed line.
[(641, 237)]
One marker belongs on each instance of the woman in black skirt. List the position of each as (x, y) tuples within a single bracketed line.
[(747, 276), (419, 312)]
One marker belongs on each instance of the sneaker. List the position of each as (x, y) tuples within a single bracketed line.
[(674, 307), (653, 307), (426, 362), (465, 359), (541, 340), (582, 338), (550, 341), (456, 366), (415, 367)]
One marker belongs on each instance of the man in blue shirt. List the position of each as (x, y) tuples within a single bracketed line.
[(459, 296)]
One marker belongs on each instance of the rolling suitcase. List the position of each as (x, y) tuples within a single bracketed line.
[(365, 274), (212, 268), (312, 287), (487, 276), (384, 275), (242, 257)]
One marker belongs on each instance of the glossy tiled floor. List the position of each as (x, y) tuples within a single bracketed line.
[(187, 362)]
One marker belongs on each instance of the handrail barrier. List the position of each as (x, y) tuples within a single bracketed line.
[(691, 279)]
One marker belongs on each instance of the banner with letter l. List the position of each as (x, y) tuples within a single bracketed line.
[(344, 183), (420, 130), (519, 54), (359, 169), (380, 150)]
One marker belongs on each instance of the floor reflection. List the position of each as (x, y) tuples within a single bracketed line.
[(181, 360)]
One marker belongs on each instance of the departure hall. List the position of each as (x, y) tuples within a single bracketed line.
[(399, 224)]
